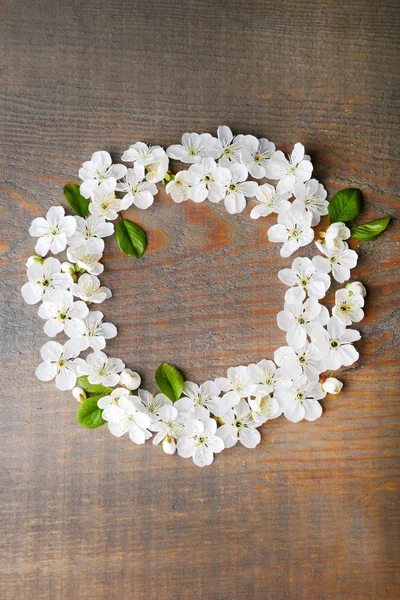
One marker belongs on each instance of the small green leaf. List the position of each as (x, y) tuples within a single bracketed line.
[(93, 388), (370, 231), (78, 203), (345, 205), (131, 238), (170, 381), (89, 414)]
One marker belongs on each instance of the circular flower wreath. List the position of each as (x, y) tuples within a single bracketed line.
[(199, 420)]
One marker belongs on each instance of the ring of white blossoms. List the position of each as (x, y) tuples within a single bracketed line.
[(197, 420)]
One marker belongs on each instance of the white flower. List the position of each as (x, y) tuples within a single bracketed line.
[(239, 425), (295, 169), (298, 320), (294, 233), (305, 360), (97, 170), (198, 400), (237, 188), (87, 258), (268, 378), (130, 379), (356, 287), (311, 197), (338, 260), (53, 231), (156, 171), (304, 278), (142, 154), (229, 147), (200, 442), (89, 289), (79, 394), (255, 154), (335, 344), (92, 229), (101, 369), (178, 188), (113, 398), (138, 192), (270, 200), (170, 425), (348, 306), (90, 332), (335, 236), (125, 418), (237, 385), (44, 278), (59, 362), (207, 181), (59, 309), (301, 400), (34, 259), (194, 148), (153, 158), (332, 385), (105, 203), (150, 404), (264, 408)]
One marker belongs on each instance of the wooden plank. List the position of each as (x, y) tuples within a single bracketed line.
[(313, 512)]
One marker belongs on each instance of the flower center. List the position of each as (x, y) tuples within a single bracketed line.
[(300, 396), (45, 283), (334, 343)]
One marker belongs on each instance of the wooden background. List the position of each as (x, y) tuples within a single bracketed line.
[(313, 512)]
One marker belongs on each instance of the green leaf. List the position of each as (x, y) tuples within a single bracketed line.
[(131, 238), (370, 231), (89, 414), (170, 381), (78, 203), (93, 388), (345, 205)]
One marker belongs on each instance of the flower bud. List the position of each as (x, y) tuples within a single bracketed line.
[(332, 385), (79, 394), (356, 287), (130, 379), (34, 259), (169, 445)]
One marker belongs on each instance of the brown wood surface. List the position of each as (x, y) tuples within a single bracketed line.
[(313, 512)]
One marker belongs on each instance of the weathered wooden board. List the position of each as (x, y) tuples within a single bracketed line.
[(313, 512)]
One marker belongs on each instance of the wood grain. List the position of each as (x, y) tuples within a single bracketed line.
[(313, 512)]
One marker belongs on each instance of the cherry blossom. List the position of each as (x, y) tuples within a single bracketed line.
[(138, 192), (44, 278), (270, 200), (59, 362), (348, 306), (194, 148), (58, 310), (53, 231), (237, 189), (297, 168), (92, 229), (335, 344), (301, 400), (200, 441), (101, 369), (255, 154), (239, 425), (300, 320), (97, 170), (294, 233), (90, 332), (304, 278), (89, 289)]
